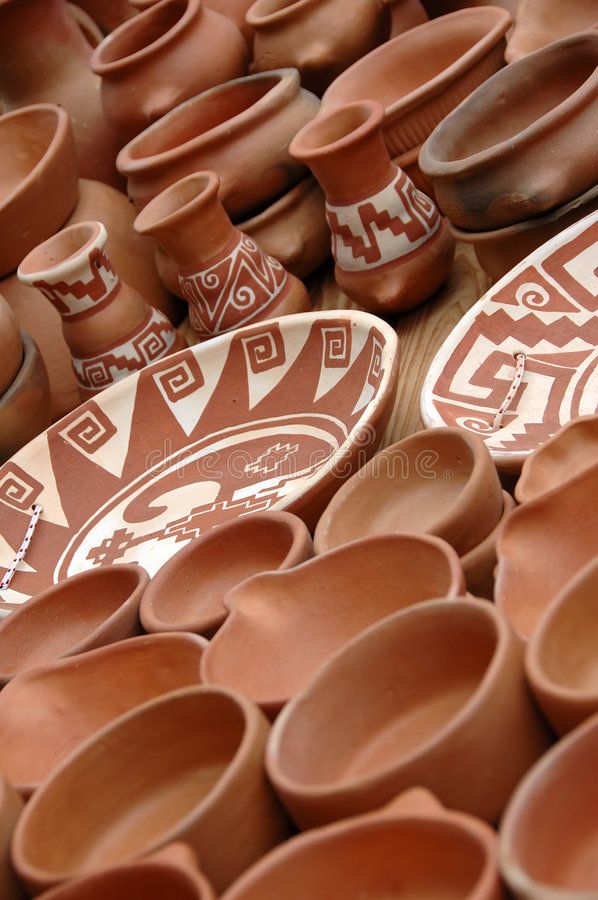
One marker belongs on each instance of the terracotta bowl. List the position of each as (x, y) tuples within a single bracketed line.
[(78, 614), (490, 170), (284, 626), (414, 842), (479, 564), (11, 346), (274, 415), (411, 701), (241, 129), (423, 74), (540, 22), (197, 759), (47, 712), (549, 832), (572, 450), (187, 594), (542, 545), (39, 178), (441, 482), (11, 807), (25, 404)]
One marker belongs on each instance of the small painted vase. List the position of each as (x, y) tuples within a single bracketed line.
[(391, 246), (109, 329), (222, 273)]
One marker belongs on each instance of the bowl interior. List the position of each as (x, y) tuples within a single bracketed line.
[(143, 32), (25, 139), (565, 456), (150, 882)]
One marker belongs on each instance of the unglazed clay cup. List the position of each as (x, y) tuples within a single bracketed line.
[(490, 169), (241, 130), (187, 766), (11, 807), (549, 831), (39, 178), (83, 612), (25, 404), (431, 852), (187, 593), (432, 696), (441, 481), (283, 626), (47, 712), (426, 72), (479, 564)]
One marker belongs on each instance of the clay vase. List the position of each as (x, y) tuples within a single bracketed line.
[(283, 626), (81, 613), (11, 807), (491, 170), (187, 593), (572, 450), (479, 564), (317, 38), (548, 834), (56, 69), (442, 481), (391, 247), (47, 712), (170, 873), (11, 346), (108, 327), (414, 841), (108, 14), (540, 22), (150, 64), (411, 701), (223, 274), (197, 757), (542, 545), (241, 129), (25, 404)]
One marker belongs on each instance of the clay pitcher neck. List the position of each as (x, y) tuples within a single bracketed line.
[(346, 151)]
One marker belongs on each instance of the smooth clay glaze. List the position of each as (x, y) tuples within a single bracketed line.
[(197, 757), (25, 404), (283, 626), (187, 593), (411, 701)]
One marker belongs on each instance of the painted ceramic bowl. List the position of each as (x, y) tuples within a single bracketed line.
[(522, 361), (25, 404), (272, 416), (424, 73), (188, 592), (479, 564)]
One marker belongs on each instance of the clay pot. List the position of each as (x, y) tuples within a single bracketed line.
[(441, 482), (58, 72), (197, 755), (548, 833), (11, 807), (490, 170), (414, 841), (318, 38), (411, 701), (11, 346), (241, 129), (539, 22), (283, 626), (170, 873), (150, 64), (234, 10), (108, 14), (573, 449), (405, 15), (46, 712), (542, 546), (409, 254), (187, 594), (83, 612), (423, 74), (480, 563), (409, 163), (25, 404), (91, 30), (108, 327)]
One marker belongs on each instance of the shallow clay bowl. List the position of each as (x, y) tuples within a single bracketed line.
[(11, 345), (187, 766), (187, 594), (549, 831), (441, 482), (411, 701), (572, 450), (414, 842), (542, 545), (422, 74), (284, 626), (47, 712), (39, 178), (79, 614), (271, 416), (479, 564), (11, 807), (25, 404)]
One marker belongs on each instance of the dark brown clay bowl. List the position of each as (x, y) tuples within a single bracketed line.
[(25, 404)]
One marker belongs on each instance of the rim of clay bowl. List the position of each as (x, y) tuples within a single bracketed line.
[(476, 555), (29, 361), (62, 253), (471, 606), (365, 117), (174, 203), (258, 17)]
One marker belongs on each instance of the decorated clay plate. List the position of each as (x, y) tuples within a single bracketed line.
[(523, 361), (272, 416)]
